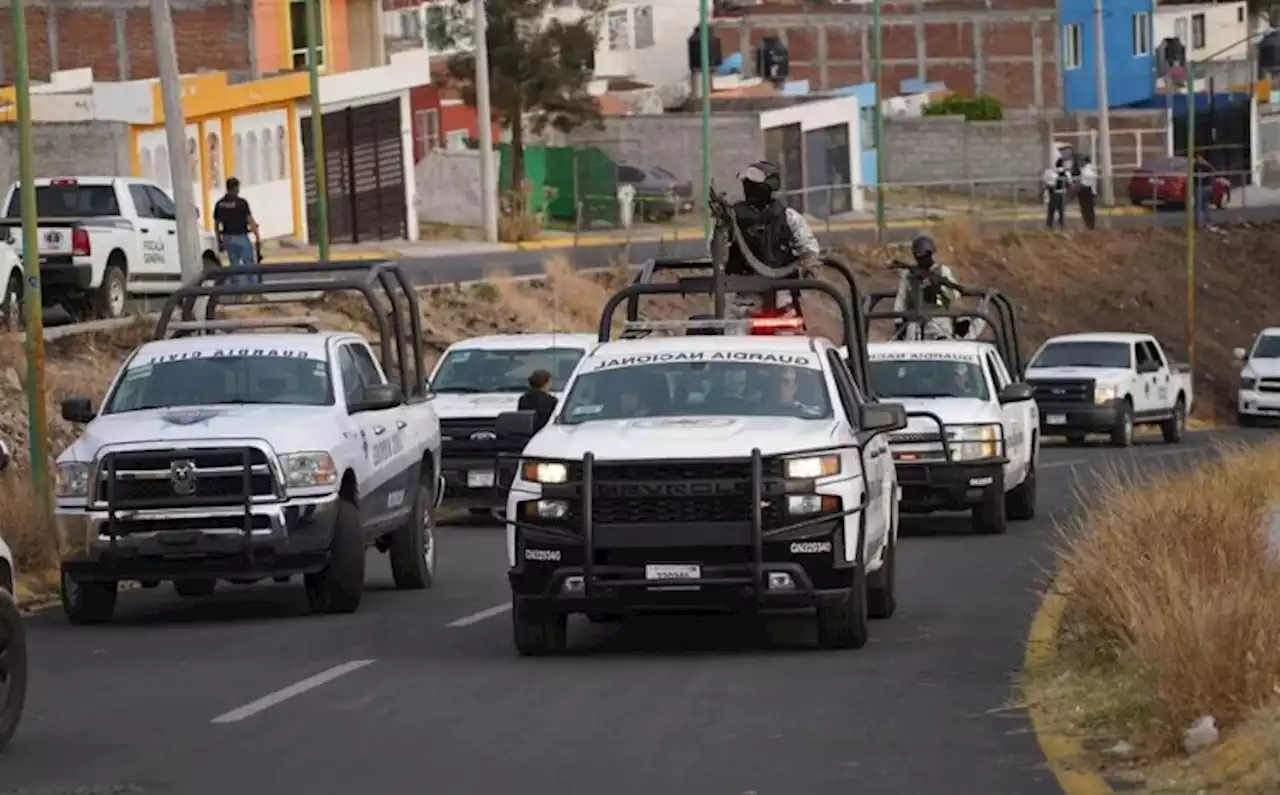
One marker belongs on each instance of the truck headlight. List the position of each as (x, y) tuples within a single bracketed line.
[(304, 470), (974, 442), (819, 466), (1104, 393), (544, 472), (1248, 383), (72, 479)]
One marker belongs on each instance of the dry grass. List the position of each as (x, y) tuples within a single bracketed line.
[(1174, 614)]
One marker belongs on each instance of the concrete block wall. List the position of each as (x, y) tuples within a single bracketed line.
[(97, 148), (949, 149)]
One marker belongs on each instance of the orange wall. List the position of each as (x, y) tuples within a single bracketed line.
[(271, 30)]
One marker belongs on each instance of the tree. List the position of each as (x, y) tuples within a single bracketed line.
[(539, 68)]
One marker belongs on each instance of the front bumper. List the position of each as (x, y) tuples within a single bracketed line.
[(264, 540), (947, 486), (1062, 419), (1255, 403), (461, 489)]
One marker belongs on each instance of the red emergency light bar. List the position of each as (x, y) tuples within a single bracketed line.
[(770, 325)]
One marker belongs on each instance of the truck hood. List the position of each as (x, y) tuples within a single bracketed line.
[(450, 405), (1263, 368), (288, 429), (680, 437), (1103, 375), (950, 410)]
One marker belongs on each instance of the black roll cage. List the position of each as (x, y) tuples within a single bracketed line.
[(1003, 323)]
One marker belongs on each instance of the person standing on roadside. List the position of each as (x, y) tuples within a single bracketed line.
[(233, 222), (1057, 180), (1087, 193), (1203, 190), (538, 398)]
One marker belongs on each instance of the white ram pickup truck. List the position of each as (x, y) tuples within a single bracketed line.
[(245, 456), (102, 239), (475, 381), (13, 639), (972, 438), (705, 473), (1259, 394), (1109, 383)]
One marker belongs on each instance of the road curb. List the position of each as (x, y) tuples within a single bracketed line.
[(1062, 752)]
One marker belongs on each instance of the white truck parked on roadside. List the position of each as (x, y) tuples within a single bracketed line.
[(102, 239), (249, 454), (1109, 382), (1259, 394), (972, 439), (476, 380), (13, 639)]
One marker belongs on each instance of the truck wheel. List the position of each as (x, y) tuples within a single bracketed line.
[(989, 517), (1246, 420), (11, 310), (413, 547), (843, 624), (882, 598), (538, 631), (13, 668), (109, 299), (340, 585), (1173, 428), (194, 588), (1020, 504), (1122, 434), (87, 601)]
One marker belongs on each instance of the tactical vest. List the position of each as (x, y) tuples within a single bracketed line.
[(931, 294), (766, 233)]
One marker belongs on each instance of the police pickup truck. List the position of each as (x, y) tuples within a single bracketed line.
[(705, 473), (13, 649), (972, 439), (475, 381), (235, 450), (1109, 383)]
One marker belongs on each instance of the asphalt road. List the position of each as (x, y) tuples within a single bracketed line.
[(423, 693)]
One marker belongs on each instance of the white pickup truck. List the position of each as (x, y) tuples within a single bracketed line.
[(13, 650), (1258, 398), (1108, 383), (102, 239)]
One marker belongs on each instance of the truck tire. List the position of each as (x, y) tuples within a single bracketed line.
[(413, 547), (989, 518), (87, 601), (339, 587), (13, 667), (1020, 504), (193, 588), (538, 631), (1173, 428), (882, 597), (1246, 420), (1122, 434), (843, 624), (111, 296)]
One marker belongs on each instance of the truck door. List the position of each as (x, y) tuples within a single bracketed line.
[(1146, 372), (167, 219), (156, 238), (1162, 379), (1011, 421)]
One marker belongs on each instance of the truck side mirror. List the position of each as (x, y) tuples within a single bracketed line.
[(516, 424), (1240, 354), (78, 410), (878, 418), (1017, 393)]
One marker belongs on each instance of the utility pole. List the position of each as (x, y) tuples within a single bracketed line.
[(37, 421), (1104, 110), (318, 154), (175, 135), (1190, 207), (704, 44), (878, 114), (484, 121)]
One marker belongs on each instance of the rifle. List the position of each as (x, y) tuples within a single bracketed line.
[(727, 232)]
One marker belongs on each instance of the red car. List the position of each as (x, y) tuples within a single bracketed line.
[(1164, 184)]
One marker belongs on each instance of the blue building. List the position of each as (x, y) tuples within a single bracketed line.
[(1127, 36)]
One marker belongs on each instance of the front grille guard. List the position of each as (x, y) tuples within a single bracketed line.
[(946, 443), (585, 491), (108, 464)]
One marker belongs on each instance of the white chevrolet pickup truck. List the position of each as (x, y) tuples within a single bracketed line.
[(102, 239), (1258, 398), (1109, 383)]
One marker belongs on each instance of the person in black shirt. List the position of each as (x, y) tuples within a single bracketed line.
[(538, 398), (233, 221)]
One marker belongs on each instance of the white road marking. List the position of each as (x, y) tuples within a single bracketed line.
[(296, 689), (476, 618)]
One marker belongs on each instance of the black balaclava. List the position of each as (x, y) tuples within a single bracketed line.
[(759, 183)]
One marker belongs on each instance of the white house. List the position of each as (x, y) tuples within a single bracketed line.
[(1221, 30)]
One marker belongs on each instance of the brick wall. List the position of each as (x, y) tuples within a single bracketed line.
[(948, 149), (99, 147), (114, 37), (1005, 48)]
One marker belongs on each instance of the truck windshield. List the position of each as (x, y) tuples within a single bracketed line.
[(928, 378), (697, 389), (69, 201), (1083, 354), (208, 381), (475, 370), (1268, 347)]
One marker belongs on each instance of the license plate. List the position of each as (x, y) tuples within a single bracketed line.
[(480, 479), (668, 571), (1056, 419)]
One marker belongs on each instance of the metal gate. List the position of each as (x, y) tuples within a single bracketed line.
[(1223, 134), (364, 164)]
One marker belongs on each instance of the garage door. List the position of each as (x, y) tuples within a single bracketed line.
[(364, 157)]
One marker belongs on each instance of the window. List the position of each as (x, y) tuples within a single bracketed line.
[(1142, 34), (193, 158), (410, 24), (644, 27), (161, 204), (215, 160), (282, 154), (70, 201), (1111, 355), (619, 30), (1071, 55), (1197, 31), (141, 201), (458, 139), (298, 33), (292, 378), (163, 175), (144, 164), (1180, 30), (238, 151), (428, 129), (483, 370), (358, 371), (437, 28), (1240, 14), (929, 378), (250, 168), (268, 156)]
